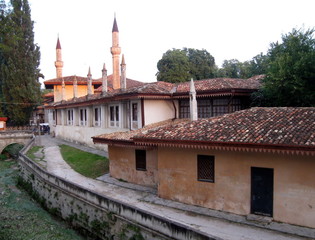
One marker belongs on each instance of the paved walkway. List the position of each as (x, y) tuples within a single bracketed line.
[(205, 220)]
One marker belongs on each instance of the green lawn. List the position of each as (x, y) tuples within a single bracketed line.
[(87, 164), (31, 153)]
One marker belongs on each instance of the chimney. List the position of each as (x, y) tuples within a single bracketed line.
[(104, 80), (123, 83), (89, 83), (63, 90), (193, 102), (75, 87)]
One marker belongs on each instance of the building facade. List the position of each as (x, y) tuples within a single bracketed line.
[(84, 107), (258, 161)]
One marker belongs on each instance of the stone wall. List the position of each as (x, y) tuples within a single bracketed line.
[(94, 214)]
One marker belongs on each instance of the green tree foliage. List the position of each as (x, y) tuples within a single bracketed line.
[(20, 59), (236, 69), (179, 65), (230, 68), (202, 64), (173, 67), (290, 79)]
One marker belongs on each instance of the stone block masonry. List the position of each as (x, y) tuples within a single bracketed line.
[(93, 214)]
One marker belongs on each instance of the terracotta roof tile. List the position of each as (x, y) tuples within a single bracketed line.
[(130, 83), (69, 81), (269, 126), (221, 84), (128, 135)]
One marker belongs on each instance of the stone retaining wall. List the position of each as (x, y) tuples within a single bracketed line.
[(94, 214)]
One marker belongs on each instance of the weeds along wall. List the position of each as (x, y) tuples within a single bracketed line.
[(93, 214)]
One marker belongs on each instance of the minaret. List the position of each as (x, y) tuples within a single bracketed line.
[(193, 102), (58, 62), (123, 83), (75, 87), (89, 82), (115, 50), (104, 80)]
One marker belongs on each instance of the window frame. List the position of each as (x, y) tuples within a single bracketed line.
[(69, 116), (83, 116), (97, 116), (202, 175), (141, 159), (114, 115)]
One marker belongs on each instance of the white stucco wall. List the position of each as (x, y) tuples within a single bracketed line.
[(83, 135), (158, 110)]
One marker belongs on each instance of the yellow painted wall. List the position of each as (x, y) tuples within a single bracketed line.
[(294, 182), (123, 166), (82, 91)]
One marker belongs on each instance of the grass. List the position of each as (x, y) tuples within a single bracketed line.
[(87, 164), (20, 217), (32, 151)]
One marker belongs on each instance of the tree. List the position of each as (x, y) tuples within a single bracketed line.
[(180, 65), (20, 61), (236, 69), (230, 68), (202, 64), (290, 79), (173, 67)]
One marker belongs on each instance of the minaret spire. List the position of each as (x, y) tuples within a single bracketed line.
[(115, 50), (58, 62)]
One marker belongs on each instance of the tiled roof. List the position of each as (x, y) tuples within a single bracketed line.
[(287, 127), (130, 83), (128, 135), (70, 79), (221, 84), (164, 89)]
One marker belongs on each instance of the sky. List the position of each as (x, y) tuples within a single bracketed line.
[(227, 29)]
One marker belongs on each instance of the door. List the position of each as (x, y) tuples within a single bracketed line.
[(262, 191)]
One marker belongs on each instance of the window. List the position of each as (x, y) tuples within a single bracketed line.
[(141, 164), (97, 117), (220, 106), (54, 117), (204, 108), (135, 112), (205, 168), (184, 110), (70, 117), (114, 115), (83, 117)]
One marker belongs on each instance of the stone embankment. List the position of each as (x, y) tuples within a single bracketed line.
[(96, 214), (107, 210)]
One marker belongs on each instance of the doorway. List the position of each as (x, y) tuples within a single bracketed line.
[(262, 191)]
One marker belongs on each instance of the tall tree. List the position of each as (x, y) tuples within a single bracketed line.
[(179, 65), (173, 67), (202, 63), (290, 79), (230, 68), (20, 67)]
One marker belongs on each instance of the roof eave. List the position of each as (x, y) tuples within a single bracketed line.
[(231, 146)]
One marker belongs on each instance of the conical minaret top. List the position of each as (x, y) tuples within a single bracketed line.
[(58, 62), (115, 50)]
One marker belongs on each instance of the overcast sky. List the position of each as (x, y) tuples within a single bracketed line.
[(227, 29)]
